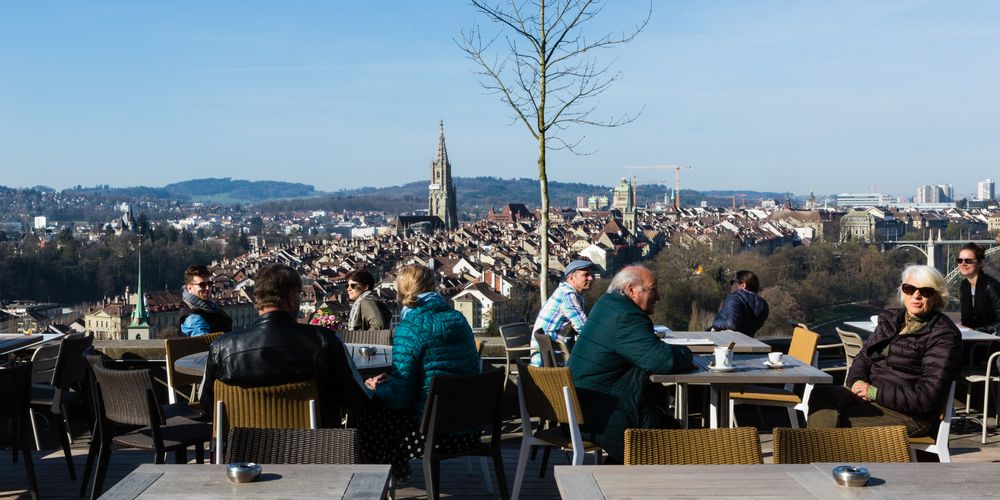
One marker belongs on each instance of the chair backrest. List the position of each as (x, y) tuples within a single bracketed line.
[(852, 345), (804, 342), (464, 403), (545, 349), (370, 337), (43, 363), (543, 393), (71, 368), (15, 392), (515, 334), (125, 396), (737, 445), (293, 446), (184, 346), (273, 407), (849, 444)]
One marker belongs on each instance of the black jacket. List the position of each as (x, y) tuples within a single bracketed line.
[(985, 314), (742, 311), (278, 350), (218, 321), (914, 378)]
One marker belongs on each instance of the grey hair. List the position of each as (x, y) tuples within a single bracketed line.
[(925, 276), (629, 275)]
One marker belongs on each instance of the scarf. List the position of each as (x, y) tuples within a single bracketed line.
[(352, 323), (421, 299), (194, 302)]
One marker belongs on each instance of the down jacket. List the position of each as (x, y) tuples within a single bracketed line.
[(433, 339), (914, 378), (742, 311), (984, 315), (613, 358)]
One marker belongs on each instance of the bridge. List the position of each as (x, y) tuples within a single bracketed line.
[(934, 251)]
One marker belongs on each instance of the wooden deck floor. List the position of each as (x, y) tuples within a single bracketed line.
[(54, 479)]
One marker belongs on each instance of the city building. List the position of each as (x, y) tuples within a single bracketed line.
[(862, 200), (985, 190), (441, 198)]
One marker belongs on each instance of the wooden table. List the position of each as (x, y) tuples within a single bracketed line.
[(13, 342), (744, 343), (194, 364), (276, 481), (968, 334), (894, 480), (750, 369)]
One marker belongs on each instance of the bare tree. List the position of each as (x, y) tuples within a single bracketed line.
[(546, 73)]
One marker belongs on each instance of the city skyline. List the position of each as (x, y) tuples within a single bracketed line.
[(757, 95)]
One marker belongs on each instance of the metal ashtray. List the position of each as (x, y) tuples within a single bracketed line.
[(243, 472), (849, 475), (368, 351)]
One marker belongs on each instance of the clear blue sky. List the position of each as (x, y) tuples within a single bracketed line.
[(757, 95)]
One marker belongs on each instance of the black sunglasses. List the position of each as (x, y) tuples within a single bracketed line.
[(965, 261), (203, 284), (925, 291), (354, 286)]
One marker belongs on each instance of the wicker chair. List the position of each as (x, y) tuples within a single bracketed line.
[(852, 444), (549, 395), (803, 350), (288, 406), (738, 445), (126, 400), (370, 337), (15, 392), (57, 371), (463, 403), (177, 349), (293, 446), (516, 344)]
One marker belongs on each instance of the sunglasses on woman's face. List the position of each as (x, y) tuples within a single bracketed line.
[(965, 261), (925, 291)]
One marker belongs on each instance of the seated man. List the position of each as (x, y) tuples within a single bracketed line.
[(200, 315), (614, 357), (562, 316), (277, 350), (743, 310)]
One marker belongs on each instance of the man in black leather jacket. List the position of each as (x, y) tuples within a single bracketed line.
[(276, 350)]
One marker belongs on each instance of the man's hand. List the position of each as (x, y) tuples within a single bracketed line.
[(860, 389), (376, 380)]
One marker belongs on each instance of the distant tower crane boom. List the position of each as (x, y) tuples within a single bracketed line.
[(677, 178)]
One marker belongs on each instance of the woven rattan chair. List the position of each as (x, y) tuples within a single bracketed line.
[(846, 445), (58, 370), (516, 344), (370, 337), (549, 395), (287, 406), (177, 349), (126, 401), (15, 392), (803, 350), (739, 445), (938, 443), (458, 404), (293, 446)]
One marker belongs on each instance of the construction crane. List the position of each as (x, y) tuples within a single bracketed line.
[(677, 178)]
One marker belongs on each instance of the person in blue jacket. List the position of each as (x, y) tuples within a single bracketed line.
[(743, 310), (432, 339)]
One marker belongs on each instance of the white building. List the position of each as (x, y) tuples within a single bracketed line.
[(985, 190), (863, 200), (41, 222)]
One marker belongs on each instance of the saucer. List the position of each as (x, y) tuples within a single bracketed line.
[(721, 369), (769, 364)]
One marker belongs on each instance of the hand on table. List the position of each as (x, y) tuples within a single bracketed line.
[(860, 389), (376, 380)]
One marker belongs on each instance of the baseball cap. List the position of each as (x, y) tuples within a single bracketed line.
[(576, 265)]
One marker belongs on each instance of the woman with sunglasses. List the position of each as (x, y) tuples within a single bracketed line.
[(367, 312), (905, 368), (979, 293)]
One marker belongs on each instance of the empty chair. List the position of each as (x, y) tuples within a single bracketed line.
[(287, 406), (988, 375), (370, 337), (292, 446), (15, 392), (938, 442), (739, 445), (852, 346), (176, 349), (516, 344), (846, 445)]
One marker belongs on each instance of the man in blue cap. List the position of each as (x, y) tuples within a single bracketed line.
[(562, 316)]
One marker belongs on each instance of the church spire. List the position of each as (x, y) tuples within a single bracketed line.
[(140, 317), (441, 196)]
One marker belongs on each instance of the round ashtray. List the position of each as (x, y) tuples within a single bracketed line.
[(849, 475), (368, 351), (243, 472)]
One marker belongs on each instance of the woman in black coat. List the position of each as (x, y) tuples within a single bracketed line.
[(979, 292)]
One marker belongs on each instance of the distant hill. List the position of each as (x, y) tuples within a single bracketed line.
[(239, 191)]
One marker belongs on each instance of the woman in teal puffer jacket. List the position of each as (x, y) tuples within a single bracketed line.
[(432, 339)]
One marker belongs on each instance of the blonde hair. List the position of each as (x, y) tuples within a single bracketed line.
[(413, 280), (925, 276)]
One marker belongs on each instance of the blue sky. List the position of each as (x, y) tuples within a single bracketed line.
[(759, 95)]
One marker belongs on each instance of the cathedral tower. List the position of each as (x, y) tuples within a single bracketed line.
[(441, 198)]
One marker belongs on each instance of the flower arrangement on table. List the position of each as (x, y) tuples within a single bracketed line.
[(328, 319)]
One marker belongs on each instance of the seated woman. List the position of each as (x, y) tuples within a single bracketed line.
[(367, 312), (979, 292), (743, 310), (431, 339), (903, 372)]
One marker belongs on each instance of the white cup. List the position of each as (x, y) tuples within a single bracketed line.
[(874, 319), (774, 358), (723, 357)]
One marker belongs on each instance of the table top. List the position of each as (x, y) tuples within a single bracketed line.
[(750, 369), (194, 364), (12, 342), (968, 334), (744, 343), (276, 481), (889, 480)]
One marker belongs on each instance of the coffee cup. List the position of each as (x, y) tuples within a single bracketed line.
[(874, 319), (774, 358), (723, 357)]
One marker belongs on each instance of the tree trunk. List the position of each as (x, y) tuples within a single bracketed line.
[(543, 179)]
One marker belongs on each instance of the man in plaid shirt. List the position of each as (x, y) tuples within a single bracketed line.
[(562, 316)]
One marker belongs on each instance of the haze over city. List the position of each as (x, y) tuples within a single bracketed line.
[(757, 95)]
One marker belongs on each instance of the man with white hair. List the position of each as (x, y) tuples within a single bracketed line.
[(614, 357)]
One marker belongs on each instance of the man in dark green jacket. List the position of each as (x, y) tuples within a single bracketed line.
[(614, 356)]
